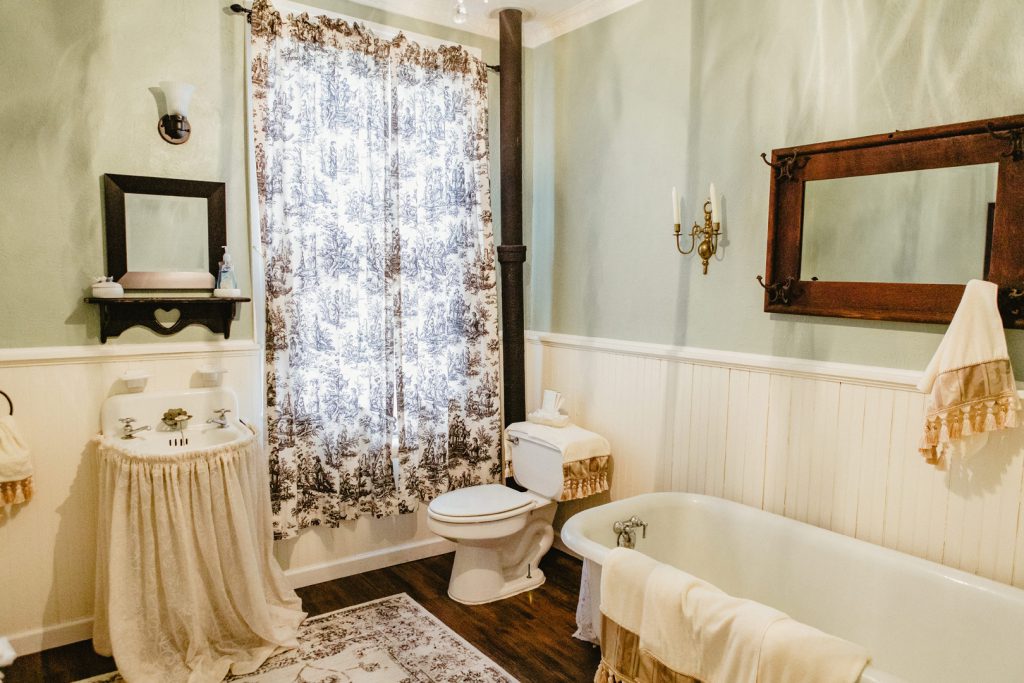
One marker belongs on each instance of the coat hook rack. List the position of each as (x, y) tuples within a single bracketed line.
[(780, 292), (10, 403), (786, 166), (1015, 136)]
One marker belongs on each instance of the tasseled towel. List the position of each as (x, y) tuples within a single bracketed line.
[(969, 380), (15, 465)]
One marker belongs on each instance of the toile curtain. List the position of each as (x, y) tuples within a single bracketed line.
[(381, 306)]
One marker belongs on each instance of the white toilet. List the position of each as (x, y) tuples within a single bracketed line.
[(502, 534)]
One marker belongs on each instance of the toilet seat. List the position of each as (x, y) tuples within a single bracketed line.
[(483, 503)]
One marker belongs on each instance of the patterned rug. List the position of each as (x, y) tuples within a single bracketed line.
[(391, 640)]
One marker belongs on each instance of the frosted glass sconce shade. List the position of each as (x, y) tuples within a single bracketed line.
[(174, 126)]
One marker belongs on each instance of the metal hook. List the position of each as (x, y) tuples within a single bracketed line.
[(780, 292), (787, 165), (10, 403), (1015, 136)]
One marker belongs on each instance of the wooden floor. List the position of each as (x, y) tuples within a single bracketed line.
[(530, 635)]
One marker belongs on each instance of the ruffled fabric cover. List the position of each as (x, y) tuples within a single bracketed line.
[(969, 381), (187, 588), (586, 459), (583, 478)]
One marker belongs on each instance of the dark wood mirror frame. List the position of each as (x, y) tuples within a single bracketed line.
[(118, 314), (114, 189), (978, 142)]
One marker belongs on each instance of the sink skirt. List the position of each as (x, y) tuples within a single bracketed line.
[(187, 587)]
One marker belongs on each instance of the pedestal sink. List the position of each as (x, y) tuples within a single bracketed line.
[(187, 588)]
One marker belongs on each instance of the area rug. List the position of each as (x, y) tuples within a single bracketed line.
[(391, 640)]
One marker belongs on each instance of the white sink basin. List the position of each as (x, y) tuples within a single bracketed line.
[(168, 442), (147, 410)]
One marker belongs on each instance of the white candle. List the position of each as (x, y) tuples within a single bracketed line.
[(675, 206), (716, 214)]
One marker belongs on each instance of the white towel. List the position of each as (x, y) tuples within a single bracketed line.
[(969, 379), (696, 629), (15, 464), (574, 442), (623, 581), (797, 653)]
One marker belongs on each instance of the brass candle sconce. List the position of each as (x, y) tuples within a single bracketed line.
[(708, 233)]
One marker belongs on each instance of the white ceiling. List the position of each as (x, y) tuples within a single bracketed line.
[(543, 19)]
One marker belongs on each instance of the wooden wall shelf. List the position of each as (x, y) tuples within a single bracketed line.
[(119, 314)]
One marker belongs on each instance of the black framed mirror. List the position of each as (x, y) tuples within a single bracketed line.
[(163, 233)]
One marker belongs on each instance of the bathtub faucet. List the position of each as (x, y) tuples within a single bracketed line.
[(626, 531)]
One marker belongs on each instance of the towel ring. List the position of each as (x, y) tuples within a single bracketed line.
[(10, 403)]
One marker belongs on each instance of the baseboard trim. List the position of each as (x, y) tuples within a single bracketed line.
[(369, 561), (560, 545), (39, 639)]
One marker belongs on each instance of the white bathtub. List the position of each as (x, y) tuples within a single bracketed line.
[(921, 621)]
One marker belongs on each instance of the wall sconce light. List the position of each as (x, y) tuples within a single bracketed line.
[(173, 126), (709, 232)]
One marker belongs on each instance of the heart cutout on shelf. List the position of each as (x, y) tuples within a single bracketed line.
[(167, 317)]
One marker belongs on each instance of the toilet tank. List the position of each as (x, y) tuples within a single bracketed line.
[(536, 464)]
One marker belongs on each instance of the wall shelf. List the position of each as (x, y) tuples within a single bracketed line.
[(120, 313)]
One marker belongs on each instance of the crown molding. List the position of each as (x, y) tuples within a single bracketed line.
[(575, 17), (479, 25), (535, 32)]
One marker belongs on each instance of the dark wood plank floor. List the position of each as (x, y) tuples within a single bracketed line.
[(530, 635)]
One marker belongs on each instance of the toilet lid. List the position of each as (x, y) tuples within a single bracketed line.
[(477, 501)]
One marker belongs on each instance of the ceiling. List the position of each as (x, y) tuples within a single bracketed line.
[(543, 19)]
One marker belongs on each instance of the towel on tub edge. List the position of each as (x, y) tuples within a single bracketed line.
[(695, 629), (624, 576)]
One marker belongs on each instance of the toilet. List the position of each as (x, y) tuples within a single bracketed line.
[(501, 534)]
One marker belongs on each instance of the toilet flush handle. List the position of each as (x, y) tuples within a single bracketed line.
[(514, 440)]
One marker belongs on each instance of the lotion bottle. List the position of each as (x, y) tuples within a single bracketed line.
[(227, 283)]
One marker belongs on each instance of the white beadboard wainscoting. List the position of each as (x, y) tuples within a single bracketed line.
[(47, 546), (829, 444)]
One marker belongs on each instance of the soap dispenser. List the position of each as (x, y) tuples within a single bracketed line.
[(227, 283)]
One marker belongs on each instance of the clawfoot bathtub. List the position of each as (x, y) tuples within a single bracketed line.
[(920, 621)]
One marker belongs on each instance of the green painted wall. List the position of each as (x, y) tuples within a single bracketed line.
[(685, 92), (75, 103)]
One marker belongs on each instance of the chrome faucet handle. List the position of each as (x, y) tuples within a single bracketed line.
[(126, 420), (221, 412)]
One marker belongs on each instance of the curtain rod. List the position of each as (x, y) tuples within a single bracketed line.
[(239, 9)]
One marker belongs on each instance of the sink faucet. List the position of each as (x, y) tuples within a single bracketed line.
[(127, 431), (220, 419)]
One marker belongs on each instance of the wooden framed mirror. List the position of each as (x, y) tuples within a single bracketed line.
[(891, 226), (163, 233)]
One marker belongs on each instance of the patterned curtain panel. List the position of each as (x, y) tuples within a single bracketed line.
[(372, 174), (446, 321)]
